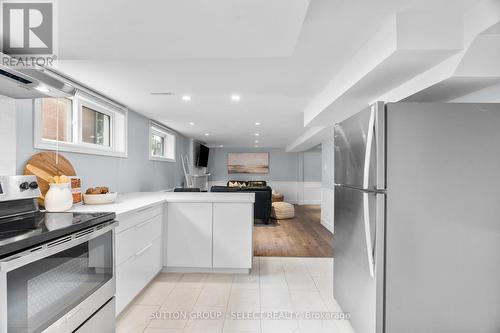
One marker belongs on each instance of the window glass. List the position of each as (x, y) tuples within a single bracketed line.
[(157, 145), (96, 127), (57, 119), (162, 146)]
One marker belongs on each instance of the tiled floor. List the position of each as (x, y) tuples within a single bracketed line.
[(275, 288)]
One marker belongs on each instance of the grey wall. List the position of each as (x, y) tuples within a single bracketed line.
[(135, 173), (283, 166), (312, 165), (487, 95)]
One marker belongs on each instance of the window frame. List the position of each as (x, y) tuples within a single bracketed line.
[(160, 130), (83, 102), (77, 145)]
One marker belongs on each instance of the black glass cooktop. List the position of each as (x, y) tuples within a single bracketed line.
[(21, 232)]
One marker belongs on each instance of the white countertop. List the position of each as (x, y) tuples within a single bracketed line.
[(131, 201)]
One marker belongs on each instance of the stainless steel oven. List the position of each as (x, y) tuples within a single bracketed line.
[(66, 284)]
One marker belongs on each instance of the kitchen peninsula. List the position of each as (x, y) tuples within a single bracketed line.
[(177, 232)]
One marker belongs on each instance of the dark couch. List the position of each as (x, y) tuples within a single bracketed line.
[(263, 196)]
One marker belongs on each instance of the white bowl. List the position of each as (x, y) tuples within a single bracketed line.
[(99, 199)]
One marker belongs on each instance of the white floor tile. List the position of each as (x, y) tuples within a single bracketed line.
[(155, 293), (278, 299), (318, 326), (282, 285), (135, 319), (169, 277), (280, 326), (241, 325), (219, 280), (307, 301), (244, 300), (162, 330), (277, 280), (246, 281), (320, 266), (192, 280), (300, 281), (168, 323), (211, 296), (270, 265), (181, 299), (294, 265), (325, 287), (206, 320)]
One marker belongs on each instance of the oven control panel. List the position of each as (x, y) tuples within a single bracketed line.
[(18, 187)]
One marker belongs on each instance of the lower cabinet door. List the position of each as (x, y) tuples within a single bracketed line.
[(232, 235), (136, 272), (189, 235)]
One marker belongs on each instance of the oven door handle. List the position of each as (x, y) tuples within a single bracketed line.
[(46, 250)]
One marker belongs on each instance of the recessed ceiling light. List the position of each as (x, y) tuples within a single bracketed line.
[(191, 123), (186, 98), (221, 146), (207, 134), (258, 124), (42, 89), (256, 141), (257, 134), (235, 97)]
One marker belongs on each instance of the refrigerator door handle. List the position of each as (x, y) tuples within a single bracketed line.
[(368, 236), (366, 184), (368, 151)]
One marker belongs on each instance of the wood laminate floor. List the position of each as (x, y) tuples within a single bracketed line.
[(302, 236)]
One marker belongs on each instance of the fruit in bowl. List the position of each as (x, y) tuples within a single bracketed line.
[(99, 195)]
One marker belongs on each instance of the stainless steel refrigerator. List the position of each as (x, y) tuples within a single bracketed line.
[(417, 218)]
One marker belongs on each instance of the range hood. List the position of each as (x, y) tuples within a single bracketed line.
[(24, 83)]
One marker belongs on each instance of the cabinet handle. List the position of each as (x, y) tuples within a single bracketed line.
[(143, 250), (143, 210), (140, 225)]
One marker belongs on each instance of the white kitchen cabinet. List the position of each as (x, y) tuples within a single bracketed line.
[(189, 235), (136, 238), (136, 272), (138, 252), (232, 235)]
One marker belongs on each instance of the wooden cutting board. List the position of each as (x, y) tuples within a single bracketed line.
[(45, 166)]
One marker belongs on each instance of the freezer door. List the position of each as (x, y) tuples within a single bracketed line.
[(358, 248), (359, 149)]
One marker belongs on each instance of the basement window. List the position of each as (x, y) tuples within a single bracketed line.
[(81, 124), (161, 143)]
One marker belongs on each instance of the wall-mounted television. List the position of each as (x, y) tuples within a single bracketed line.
[(201, 155)]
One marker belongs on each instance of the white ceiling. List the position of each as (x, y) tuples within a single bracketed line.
[(276, 54)]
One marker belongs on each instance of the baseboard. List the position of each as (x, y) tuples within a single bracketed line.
[(310, 202), (327, 225), (205, 270)]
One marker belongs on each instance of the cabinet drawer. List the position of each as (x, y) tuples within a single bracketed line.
[(134, 239), (137, 216), (135, 273)]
